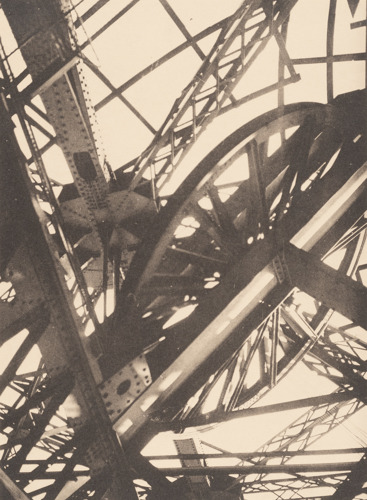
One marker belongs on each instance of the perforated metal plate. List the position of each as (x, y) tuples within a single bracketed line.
[(123, 388)]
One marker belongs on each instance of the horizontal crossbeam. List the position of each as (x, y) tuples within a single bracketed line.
[(260, 469)]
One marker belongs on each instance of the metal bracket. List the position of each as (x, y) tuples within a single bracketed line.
[(127, 385)]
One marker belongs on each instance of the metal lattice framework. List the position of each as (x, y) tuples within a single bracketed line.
[(127, 309)]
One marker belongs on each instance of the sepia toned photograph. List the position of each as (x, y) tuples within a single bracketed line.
[(183, 249)]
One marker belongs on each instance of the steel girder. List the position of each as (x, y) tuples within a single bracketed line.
[(330, 287), (35, 249), (342, 355), (47, 82), (312, 231), (308, 239), (92, 218), (233, 29), (328, 413), (175, 133), (339, 193), (9, 490), (217, 417)]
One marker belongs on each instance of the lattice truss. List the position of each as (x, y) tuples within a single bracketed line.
[(163, 286)]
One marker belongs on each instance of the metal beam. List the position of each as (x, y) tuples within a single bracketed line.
[(339, 360), (217, 417), (331, 287), (119, 95), (48, 78), (59, 395), (241, 294), (109, 23), (197, 38), (35, 332), (352, 485), (357, 56), (11, 487), (29, 318), (236, 66), (330, 50), (302, 432), (260, 469), (180, 25), (261, 454), (36, 238), (347, 363)]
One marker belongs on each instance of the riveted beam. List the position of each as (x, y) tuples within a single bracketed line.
[(315, 216), (62, 314)]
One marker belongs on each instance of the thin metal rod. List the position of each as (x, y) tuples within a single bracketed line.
[(254, 454), (259, 469)]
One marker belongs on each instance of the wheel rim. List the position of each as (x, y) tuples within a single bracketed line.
[(190, 249), (191, 230)]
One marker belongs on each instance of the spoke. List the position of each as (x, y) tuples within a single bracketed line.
[(280, 159), (213, 229), (274, 345), (297, 171), (105, 280), (259, 209), (116, 261), (224, 220)]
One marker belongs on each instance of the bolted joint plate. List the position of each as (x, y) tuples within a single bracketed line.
[(125, 386)]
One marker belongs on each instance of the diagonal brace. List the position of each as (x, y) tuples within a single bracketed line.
[(329, 286)]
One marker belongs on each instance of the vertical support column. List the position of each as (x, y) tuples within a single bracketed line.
[(330, 50)]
